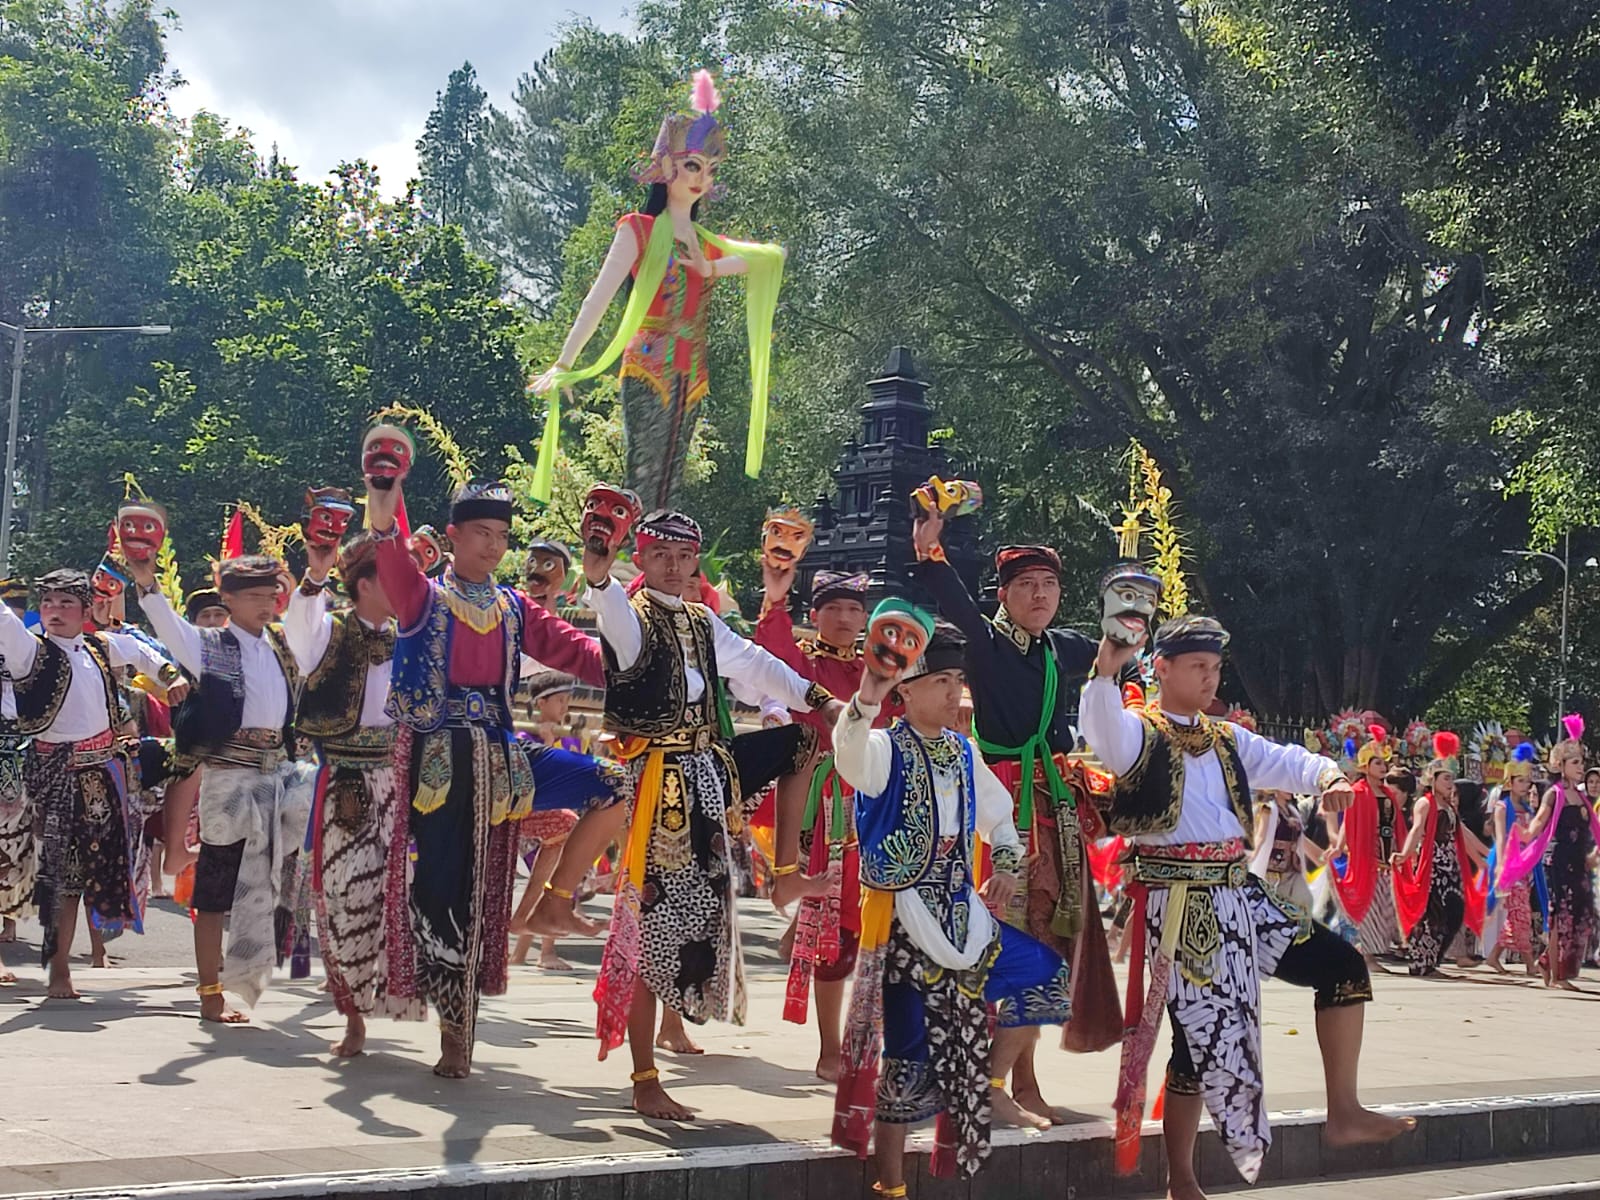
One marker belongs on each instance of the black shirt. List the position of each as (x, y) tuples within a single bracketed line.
[(1005, 665)]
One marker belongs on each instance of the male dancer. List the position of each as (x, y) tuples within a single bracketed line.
[(933, 958), (18, 854), (357, 868), (456, 666), (817, 801), (1182, 795), (255, 799), (77, 773), (1024, 677), (673, 936), (1370, 831)]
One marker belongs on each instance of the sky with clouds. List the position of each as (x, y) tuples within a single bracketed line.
[(329, 80)]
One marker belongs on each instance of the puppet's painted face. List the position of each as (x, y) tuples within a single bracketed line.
[(141, 529), (328, 514), (545, 572), (608, 514), (949, 497), (107, 584), (1126, 609), (693, 178), (894, 642), (426, 549), (386, 454), (785, 538)]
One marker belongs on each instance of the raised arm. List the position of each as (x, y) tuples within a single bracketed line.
[(1273, 766), (17, 646), (950, 595), (625, 249), (861, 754), (179, 637), (128, 651), (403, 581), (618, 623), (1115, 734), (308, 627), (775, 635)]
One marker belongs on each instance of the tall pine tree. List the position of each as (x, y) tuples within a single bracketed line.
[(450, 154)]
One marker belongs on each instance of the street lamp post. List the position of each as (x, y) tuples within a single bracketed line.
[(1565, 563), (19, 347)]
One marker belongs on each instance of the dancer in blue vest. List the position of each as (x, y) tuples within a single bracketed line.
[(933, 957)]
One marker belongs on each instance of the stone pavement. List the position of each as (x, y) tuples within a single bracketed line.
[(125, 1087)]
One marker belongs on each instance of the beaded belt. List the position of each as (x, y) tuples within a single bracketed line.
[(250, 750), (474, 706), (368, 745), (1164, 870), (91, 752), (686, 740)]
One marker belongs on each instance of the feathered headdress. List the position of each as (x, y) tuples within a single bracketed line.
[(1377, 746), (1521, 765), (1446, 746), (1417, 741), (682, 134), (1573, 724)]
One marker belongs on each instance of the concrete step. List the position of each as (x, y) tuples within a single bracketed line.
[(1575, 1177)]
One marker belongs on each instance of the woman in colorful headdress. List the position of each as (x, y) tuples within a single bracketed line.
[(1510, 900), (1562, 836), (675, 263), (1435, 890), (1369, 832)]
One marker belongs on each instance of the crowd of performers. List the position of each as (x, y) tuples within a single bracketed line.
[(344, 746)]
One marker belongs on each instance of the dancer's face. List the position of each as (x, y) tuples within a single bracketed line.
[(1032, 599), (1444, 785), (213, 617), (253, 608), (933, 701), (1189, 681), (61, 614), (693, 181), (840, 622), (478, 546), (668, 566), (1377, 771)]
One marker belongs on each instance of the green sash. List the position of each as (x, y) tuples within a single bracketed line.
[(1035, 750)]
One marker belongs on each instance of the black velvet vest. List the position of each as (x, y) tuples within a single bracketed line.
[(651, 698)]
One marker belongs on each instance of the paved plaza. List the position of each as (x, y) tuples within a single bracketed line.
[(126, 1087)]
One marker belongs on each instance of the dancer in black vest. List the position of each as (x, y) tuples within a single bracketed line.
[(78, 772)]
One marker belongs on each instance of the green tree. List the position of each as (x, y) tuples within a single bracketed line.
[(450, 152)]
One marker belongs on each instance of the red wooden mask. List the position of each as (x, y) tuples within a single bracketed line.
[(328, 514), (608, 514), (386, 454), (141, 528)]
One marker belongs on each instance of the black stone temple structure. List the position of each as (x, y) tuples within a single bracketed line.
[(867, 526)]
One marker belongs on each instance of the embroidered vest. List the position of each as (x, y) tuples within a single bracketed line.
[(651, 698), (419, 687), (1148, 797), (336, 690), (41, 693), (899, 830), (214, 711)]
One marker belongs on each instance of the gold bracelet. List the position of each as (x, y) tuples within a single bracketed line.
[(781, 872), (897, 1192), (649, 1076), (560, 893), (209, 989)]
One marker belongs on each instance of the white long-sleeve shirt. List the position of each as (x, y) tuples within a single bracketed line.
[(266, 692), (748, 667), (864, 756), (83, 712), (308, 628), (1116, 735)]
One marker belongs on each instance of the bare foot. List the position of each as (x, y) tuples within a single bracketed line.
[(828, 1066), (101, 960), (1036, 1104), (61, 986), (786, 889), (1009, 1111), (215, 1009), (7, 977), (555, 964), (1189, 1190), (674, 1036), (1566, 985), (650, 1099), (1495, 965), (554, 917), (453, 1062), (8, 931), (519, 952), (1364, 1127), (354, 1040), (176, 859)]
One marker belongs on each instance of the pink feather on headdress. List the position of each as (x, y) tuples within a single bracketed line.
[(705, 96), (1573, 722)]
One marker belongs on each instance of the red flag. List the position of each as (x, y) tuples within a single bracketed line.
[(233, 536)]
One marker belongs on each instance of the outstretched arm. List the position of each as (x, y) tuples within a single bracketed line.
[(625, 249)]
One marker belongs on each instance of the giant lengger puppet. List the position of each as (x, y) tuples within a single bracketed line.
[(661, 340)]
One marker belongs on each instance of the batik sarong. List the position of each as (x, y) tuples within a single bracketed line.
[(19, 859), (88, 834), (252, 823)]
